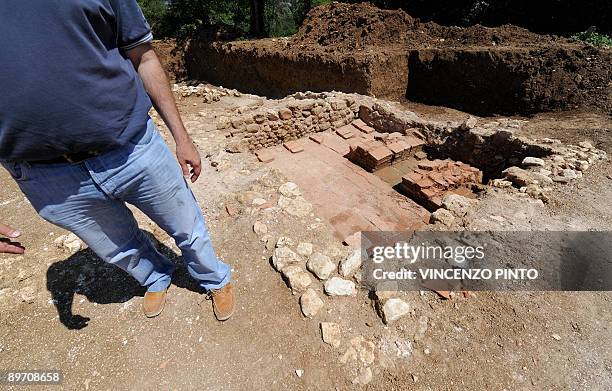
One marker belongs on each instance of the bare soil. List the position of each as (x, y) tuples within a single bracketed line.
[(388, 54)]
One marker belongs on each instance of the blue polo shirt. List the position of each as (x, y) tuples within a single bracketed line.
[(65, 83)]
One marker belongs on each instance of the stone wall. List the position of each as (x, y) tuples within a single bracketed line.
[(292, 118)]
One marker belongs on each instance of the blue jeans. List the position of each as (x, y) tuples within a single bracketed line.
[(89, 199)]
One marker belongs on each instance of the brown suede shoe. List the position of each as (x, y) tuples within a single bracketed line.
[(153, 303), (223, 301)]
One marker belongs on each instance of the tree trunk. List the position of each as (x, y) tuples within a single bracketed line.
[(258, 28)]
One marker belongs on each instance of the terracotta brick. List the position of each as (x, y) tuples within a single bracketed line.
[(317, 138), (436, 201), (398, 147), (359, 124), (264, 155), (336, 144), (294, 146), (412, 177), (438, 178), (430, 192), (380, 153), (414, 142), (346, 129), (420, 155), (424, 183), (428, 165), (345, 135)]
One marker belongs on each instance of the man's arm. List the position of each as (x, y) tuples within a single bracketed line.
[(156, 83), (8, 246)]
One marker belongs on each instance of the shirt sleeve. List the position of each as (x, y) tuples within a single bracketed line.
[(132, 27)]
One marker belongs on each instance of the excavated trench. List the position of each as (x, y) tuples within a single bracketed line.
[(480, 80)]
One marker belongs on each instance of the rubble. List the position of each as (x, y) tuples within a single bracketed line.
[(297, 278), (310, 303), (304, 249), (351, 264), (284, 256), (443, 216), (321, 266), (393, 309), (69, 242), (331, 334), (337, 286)]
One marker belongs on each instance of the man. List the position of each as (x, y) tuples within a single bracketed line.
[(77, 81)]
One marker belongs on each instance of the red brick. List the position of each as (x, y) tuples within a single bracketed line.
[(294, 146), (380, 153), (398, 147), (412, 177), (264, 155), (317, 138), (424, 183), (430, 192), (359, 124), (335, 143), (414, 142), (346, 129), (428, 165), (438, 178), (345, 135)]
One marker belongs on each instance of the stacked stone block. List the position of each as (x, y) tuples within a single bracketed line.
[(263, 127)]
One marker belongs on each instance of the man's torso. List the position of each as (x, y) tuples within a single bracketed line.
[(65, 86)]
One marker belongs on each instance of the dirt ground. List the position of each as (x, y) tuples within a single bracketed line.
[(492, 341)]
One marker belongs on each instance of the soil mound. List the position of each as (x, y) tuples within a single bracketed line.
[(346, 27), (352, 26)]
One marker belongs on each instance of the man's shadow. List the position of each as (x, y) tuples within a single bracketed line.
[(86, 274)]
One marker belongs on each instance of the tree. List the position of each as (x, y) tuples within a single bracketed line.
[(258, 11)]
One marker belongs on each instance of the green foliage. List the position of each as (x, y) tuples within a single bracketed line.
[(593, 38), (156, 12)]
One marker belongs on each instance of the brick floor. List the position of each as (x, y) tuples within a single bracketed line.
[(265, 155), (294, 146), (344, 194)]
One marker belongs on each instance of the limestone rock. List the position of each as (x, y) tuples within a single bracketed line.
[(304, 249), (69, 242), (284, 256), (289, 189), (442, 216), (331, 334), (321, 266), (297, 278), (569, 174), (260, 228), (521, 177), (351, 264), (297, 206), (364, 377), (457, 204), (394, 309), (532, 161), (364, 349), (310, 303), (337, 286)]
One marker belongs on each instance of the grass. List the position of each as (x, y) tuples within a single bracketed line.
[(593, 38)]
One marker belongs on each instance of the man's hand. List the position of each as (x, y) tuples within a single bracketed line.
[(188, 156), (156, 83), (6, 246)]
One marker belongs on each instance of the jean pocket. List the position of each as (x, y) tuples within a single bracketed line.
[(17, 170)]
